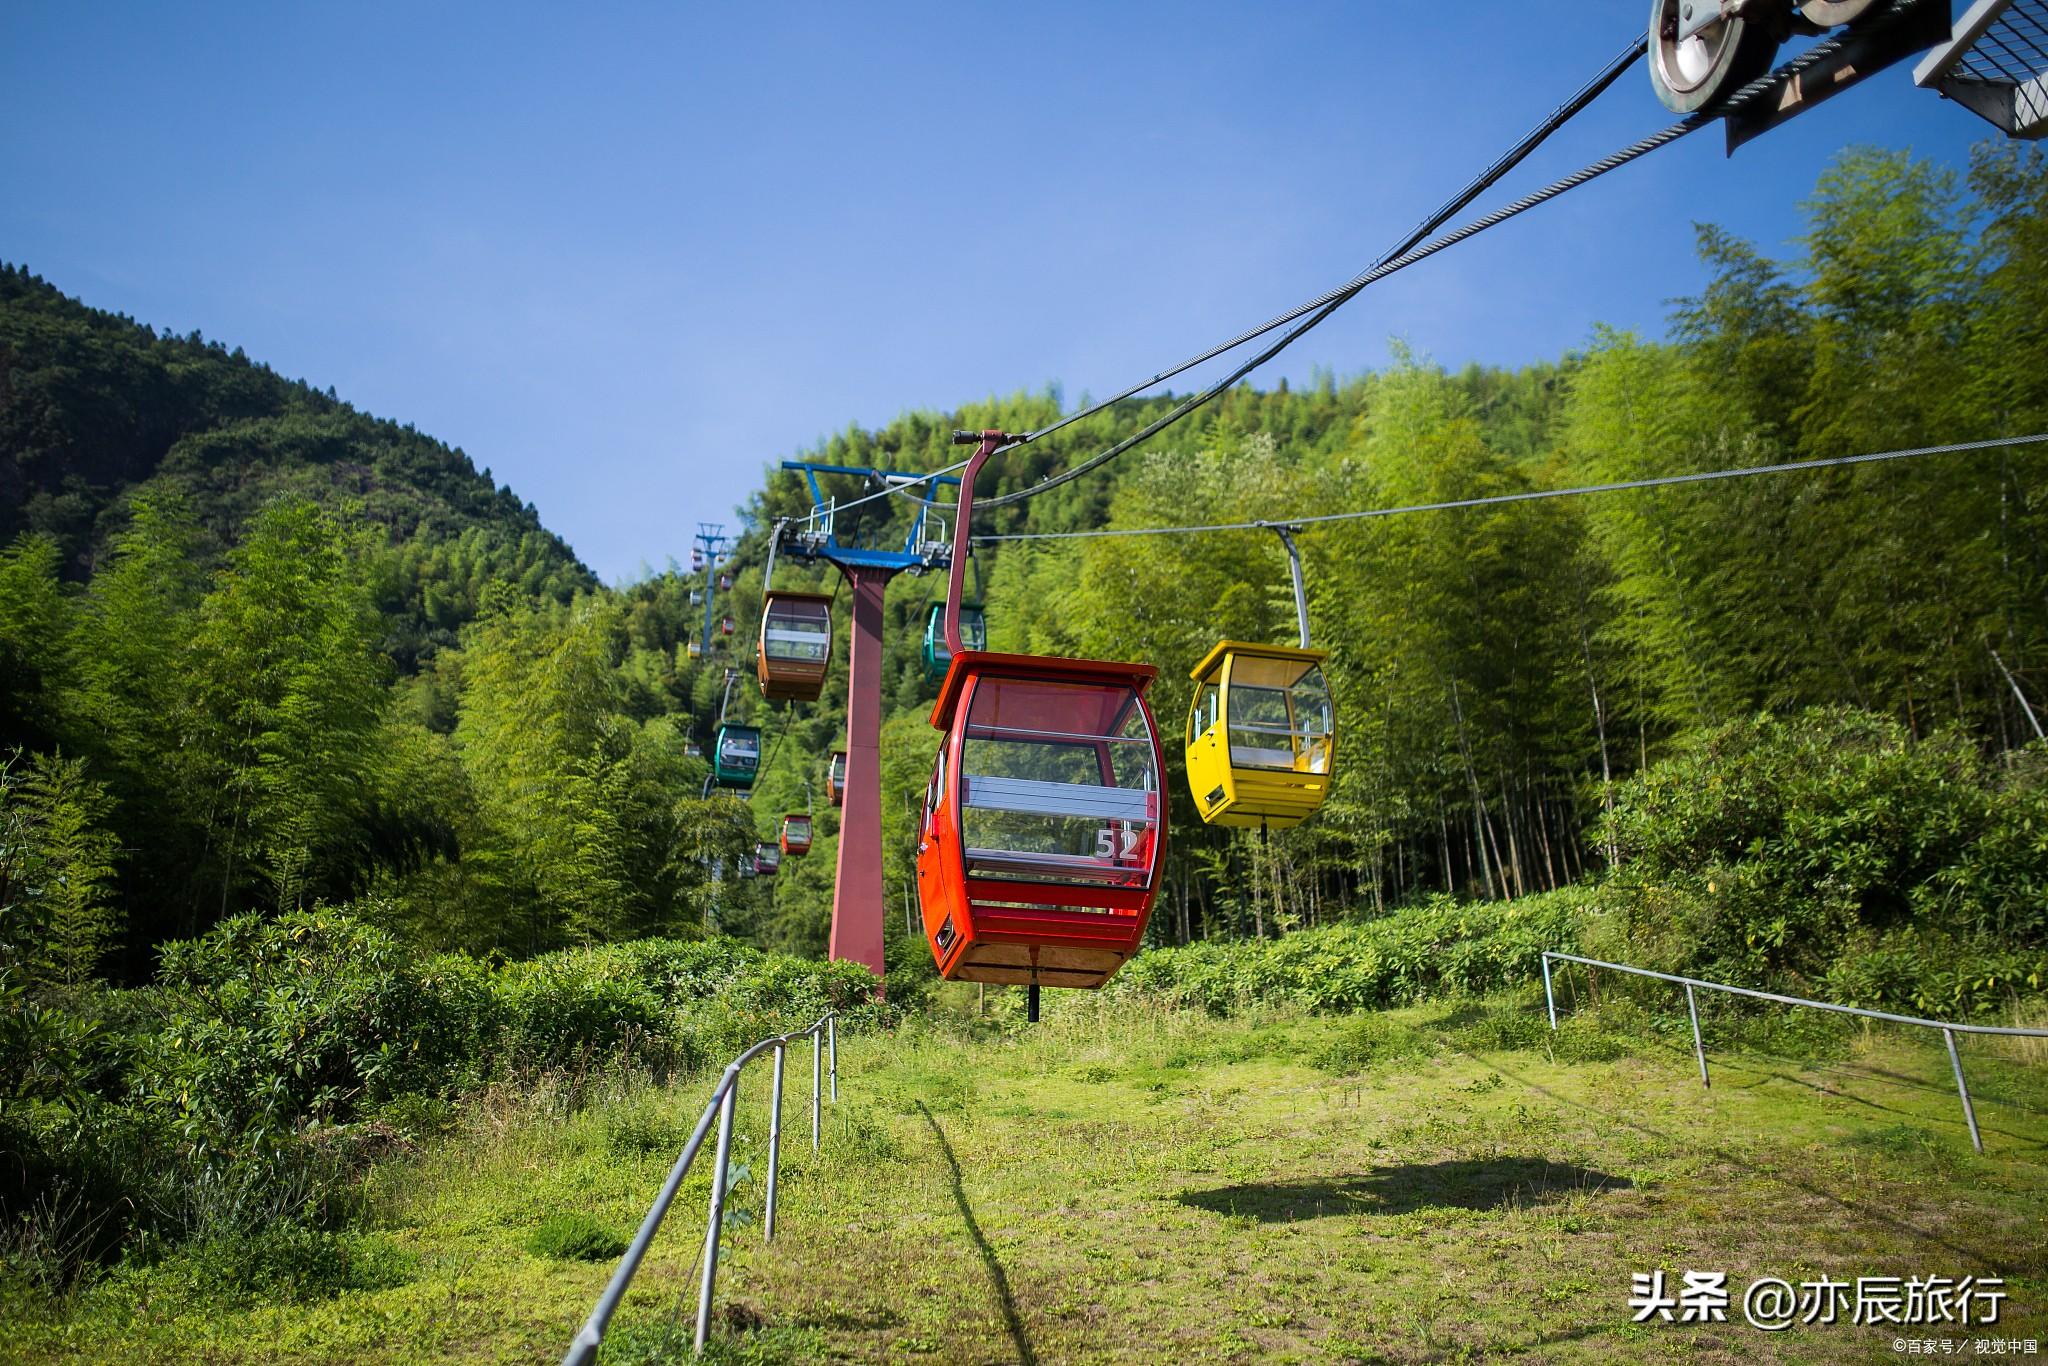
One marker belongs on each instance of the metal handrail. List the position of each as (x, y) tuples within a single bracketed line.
[(1949, 1029), (824, 1036)]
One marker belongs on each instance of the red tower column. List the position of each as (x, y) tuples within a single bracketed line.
[(857, 908)]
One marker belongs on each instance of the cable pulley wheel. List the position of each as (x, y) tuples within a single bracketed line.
[(1693, 72), (1829, 13)]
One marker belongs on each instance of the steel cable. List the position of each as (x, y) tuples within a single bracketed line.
[(1535, 495), (1484, 181), (1318, 309), (1329, 303), (1326, 301)]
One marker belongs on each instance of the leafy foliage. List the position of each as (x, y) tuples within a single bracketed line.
[(1439, 949), (57, 916), (311, 1016), (1831, 850), (226, 1107), (574, 1236)]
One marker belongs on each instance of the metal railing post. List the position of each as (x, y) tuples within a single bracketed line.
[(774, 1148), (1962, 1089), (1549, 999), (1699, 1049), (584, 1349), (832, 1047), (722, 1107), (718, 1180), (1949, 1028)]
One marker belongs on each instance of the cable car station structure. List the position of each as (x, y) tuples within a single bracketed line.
[(857, 891)]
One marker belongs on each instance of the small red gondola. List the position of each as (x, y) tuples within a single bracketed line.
[(767, 858), (1044, 822), (796, 833), (835, 777)]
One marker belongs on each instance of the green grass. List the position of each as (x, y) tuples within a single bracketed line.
[(1126, 1183)]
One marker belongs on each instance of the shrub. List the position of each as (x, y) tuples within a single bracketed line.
[(1924, 972), (1441, 948), (574, 1237), (579, 1007), (46, 1051), (311, 1015), (1767, 850), (663, 1003), (226, 1107), (77, 1180)]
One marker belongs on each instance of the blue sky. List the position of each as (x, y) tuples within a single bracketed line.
[(628, 254)]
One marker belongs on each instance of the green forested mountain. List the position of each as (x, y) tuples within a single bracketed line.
[(281, 652), (95, 408)]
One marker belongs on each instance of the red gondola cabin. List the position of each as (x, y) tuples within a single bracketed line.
[(835, 777), (796, 833), (1038, 856), (767, 858)]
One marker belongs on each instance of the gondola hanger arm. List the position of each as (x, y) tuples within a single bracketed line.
[(1285, 531), (774, 543), (985, 443)]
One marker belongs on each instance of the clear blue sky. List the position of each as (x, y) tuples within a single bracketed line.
[(627, 254)]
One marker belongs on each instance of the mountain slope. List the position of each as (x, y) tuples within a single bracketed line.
[(94, 405)]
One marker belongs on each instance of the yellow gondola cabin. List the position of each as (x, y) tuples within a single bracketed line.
[(1261, 735)]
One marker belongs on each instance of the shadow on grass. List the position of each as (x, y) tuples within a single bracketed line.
[(1982, 1091), (1005, 1300), (1734, 1162), (1491, 1183)]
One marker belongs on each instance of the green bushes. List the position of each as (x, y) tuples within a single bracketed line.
[(228, 1106), (577, 1007), (1829, 854), (1831, 851), (1441, 948), (574, 1237), (311, 1016), (667, 1004)]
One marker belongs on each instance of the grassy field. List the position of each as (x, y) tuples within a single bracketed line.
[(1125, 1183)]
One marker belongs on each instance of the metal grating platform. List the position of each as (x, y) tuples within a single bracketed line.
[(1996, 65)]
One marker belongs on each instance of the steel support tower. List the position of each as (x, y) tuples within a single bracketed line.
[(858, 911)]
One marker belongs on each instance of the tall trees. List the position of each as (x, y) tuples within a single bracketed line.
[(33, 620), (289, 694), (57, 913), (589, 804), (1499, 670)]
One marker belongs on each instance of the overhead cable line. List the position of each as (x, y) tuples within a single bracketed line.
[(1323, 307), (1327, 301), (1534, 495), (1316, 310), (1477, 186)]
